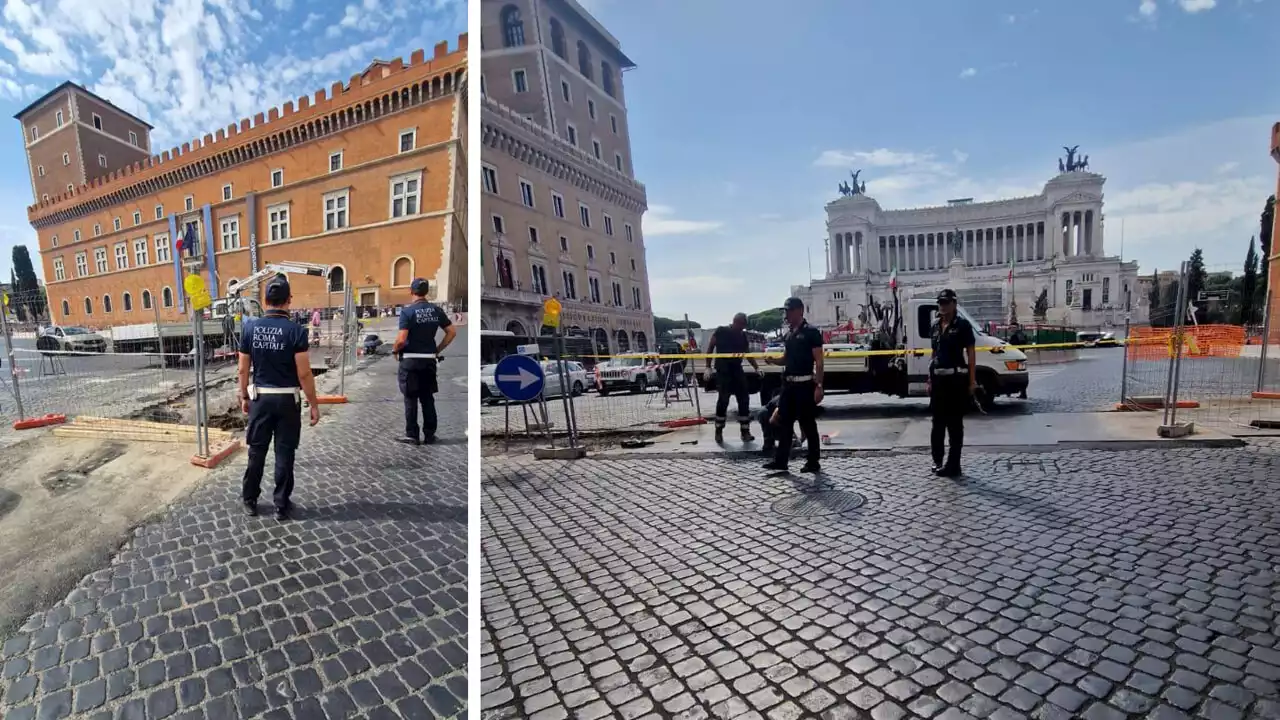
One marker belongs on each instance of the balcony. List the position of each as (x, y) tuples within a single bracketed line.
[(510, 295)]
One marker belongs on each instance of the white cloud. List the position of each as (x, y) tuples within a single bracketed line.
[(1226, 167), (968, 73), (658, 221), (1147, 8), (1195, 6), (881, 157)]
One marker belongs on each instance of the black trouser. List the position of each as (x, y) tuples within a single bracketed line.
[(731, 382), (418, 385), (948, 401), (796, 404), (279, 418)]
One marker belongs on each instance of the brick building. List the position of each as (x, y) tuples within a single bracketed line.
[(562, 208), (369, 176)]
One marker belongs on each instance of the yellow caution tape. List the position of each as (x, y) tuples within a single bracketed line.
[(853, 353)]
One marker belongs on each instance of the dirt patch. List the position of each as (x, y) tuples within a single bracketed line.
[(67, 504), (493, 446)]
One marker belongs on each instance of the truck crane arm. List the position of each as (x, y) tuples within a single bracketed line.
[(271, 270)]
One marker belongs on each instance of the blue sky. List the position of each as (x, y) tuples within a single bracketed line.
[(191, 66), (744, 117)]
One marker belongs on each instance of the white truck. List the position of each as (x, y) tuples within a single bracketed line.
[(632, 372), (1001, 371)]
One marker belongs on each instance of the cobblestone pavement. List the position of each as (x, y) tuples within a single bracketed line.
[(356, 608), (1057, 585)]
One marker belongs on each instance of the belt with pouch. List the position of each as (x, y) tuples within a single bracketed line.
[(418, 356), (255, 391), (797, 378), (950, 371)]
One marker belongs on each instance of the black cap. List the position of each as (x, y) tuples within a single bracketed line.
[(793, 303), (278, 290), (947, 295), (419, 286)]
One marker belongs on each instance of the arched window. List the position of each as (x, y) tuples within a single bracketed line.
[(624, 342), (88, 306), (106, 304), (557, 40), (166, 297), (584, 60), (146, 299), (512, 27), (606, 78), (642, 342), (337, 279), (515, 327), (66, 308), (402, 271), (128, 302)]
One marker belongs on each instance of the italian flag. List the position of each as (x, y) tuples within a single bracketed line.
[(893, 279)]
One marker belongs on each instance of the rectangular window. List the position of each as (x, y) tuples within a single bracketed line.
[(55, 241), (571, 132), (557, 204), (591, 252), (406, 191), (75, 236), (278, 222), (66, 160), (137, 217), (97, 229), (633, 264), (617, 161), (595, 148), (635, 298), (564, 244), (189, 202), (539, 279), (58, 118), (608, 225), (335, 161), (533, 236), (1106, 291), (59, 270), (584, 215), (102, 160), (520, 81), (489, 177), (140, 253), (565, 92), (40, 170), (122, 256), (617, 295), (408, 140), (526, 193), (115, 224), (594, 284), (133, 138), (159, 212), (97, 121), (100, 259), (626, 227), (613, 122), (499, 227), (226, 192), (164, 251), (613, 258), (277, 178), (35, 133), (335, 210), (591, 109), (229, 231), (570, 285), (82, 264)]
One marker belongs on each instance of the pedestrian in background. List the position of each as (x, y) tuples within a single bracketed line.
[(731, 382), (802, 371), (275, 350), (952, 382), (419, 357)]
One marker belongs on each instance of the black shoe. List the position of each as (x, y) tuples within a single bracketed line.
[(948, 472), (429, 440), (407, 440), (810, 468), (935, 468), (251, 508), (283, 513), (747, 436), (719, 434), (775, 466)]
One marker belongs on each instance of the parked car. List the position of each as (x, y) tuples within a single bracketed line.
[(577, 381), (1097, 339), (70, 339)]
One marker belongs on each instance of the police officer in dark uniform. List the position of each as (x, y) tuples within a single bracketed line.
[(278, 352), (952, 382), (801, 387), (730, 380), (419, 356)]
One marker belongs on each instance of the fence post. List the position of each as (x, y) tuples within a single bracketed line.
[(202, 417), (1175, 363), (347, 320), (565, 389), (1266, 340), (1124, 363), (13, 368), (697, 387)]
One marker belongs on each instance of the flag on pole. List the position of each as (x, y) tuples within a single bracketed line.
[(893, 278), (1012, 264)]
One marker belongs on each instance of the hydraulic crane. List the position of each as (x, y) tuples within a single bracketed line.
[(236, 304)]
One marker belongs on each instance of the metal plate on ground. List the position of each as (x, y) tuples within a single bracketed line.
[(816, 504)]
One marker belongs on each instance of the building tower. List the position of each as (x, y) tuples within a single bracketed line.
[(73, 137)]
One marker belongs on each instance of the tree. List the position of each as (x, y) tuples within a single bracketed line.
[(663, 326), (27, 286), (1196, 278), (766, 321), (1168, 314), (1153, 297), (1040, 309), (1249, 285), (18, 310)]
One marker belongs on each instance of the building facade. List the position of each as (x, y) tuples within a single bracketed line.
[(368, 177), (562, 209), (993, 254)]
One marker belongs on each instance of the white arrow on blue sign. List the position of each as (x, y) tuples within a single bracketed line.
[(519, 378)]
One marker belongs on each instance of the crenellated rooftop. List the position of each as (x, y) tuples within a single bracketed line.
[(381, 88)]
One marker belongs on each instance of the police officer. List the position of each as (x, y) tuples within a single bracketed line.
[(419, 355), (278, 351), (801, 387), (952, 382), (730, 380)]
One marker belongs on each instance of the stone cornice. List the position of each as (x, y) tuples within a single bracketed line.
[(502, 130)]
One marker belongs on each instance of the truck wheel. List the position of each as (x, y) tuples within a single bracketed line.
[(987, 396)]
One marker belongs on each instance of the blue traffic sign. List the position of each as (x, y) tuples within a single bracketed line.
[(519, 377)]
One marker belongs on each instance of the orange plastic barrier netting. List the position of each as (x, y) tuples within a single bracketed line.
[(1220, 341)]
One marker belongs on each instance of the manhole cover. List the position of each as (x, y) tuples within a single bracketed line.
[(826, 502)]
